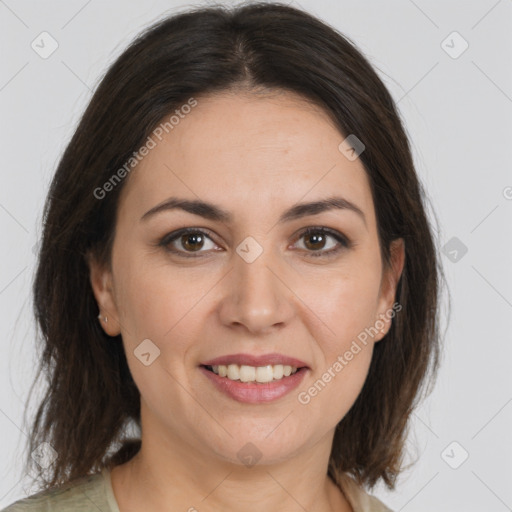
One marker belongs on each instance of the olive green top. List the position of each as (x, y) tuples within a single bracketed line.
[(94, 493)]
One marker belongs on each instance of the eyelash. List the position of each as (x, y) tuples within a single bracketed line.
[(344, 242)]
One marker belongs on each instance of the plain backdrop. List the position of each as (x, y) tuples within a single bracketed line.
[(448, 65)]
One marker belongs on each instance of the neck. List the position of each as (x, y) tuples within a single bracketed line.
[(164, 475)]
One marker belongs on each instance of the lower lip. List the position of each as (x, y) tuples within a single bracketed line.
[(253, 392)]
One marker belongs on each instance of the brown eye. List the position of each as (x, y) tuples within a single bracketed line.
[(192, 242), (317, 242), (188, 241)]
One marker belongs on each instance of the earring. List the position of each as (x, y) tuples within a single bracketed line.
[(104, 318)]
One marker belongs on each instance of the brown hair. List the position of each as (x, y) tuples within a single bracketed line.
[(91, 397)]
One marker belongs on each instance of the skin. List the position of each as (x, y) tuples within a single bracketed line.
[(264, 154)]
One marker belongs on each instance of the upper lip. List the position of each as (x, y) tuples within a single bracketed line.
[(253, 360)]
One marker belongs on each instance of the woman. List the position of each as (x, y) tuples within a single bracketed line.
[(236, 264)]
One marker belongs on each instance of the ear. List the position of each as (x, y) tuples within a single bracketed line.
[(101, 283), (388, 285)]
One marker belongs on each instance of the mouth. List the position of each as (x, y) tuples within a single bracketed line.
[(254, 374), (254, 384)]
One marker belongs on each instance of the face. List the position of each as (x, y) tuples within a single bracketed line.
[(251, 283)]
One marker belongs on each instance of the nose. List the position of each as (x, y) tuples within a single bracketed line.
[(257, 296)]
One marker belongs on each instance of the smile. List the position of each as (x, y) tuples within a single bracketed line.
[(252, 391), (245, 373)]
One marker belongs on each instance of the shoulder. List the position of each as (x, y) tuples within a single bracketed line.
[(359, 499), (82, 495)]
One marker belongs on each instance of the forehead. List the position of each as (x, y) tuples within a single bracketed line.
[(248, 150)]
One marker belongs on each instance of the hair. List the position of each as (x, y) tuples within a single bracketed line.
[(91, 399)]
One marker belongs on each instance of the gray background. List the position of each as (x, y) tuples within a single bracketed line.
[(458, 113)]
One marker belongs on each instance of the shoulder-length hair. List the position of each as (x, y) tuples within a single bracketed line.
[(91, 398)]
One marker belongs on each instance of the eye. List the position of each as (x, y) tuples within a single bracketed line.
[(316, 239), (191, 240), (185, 242)]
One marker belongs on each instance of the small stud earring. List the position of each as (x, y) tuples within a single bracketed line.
[(104, 318)]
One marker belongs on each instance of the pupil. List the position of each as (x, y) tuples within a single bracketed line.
[(197, 238), (318, 241)]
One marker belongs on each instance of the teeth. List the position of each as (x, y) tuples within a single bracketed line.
[(254, 374)]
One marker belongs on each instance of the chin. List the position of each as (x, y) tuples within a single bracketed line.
[(264, 447)]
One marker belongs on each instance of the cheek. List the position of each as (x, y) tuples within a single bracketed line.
[(163, 305), (157, 305), (345, 301), (148, 298), (347, 352), (348, 306), (332, 393)]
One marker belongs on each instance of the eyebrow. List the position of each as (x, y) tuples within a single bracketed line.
[(215, 213)]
